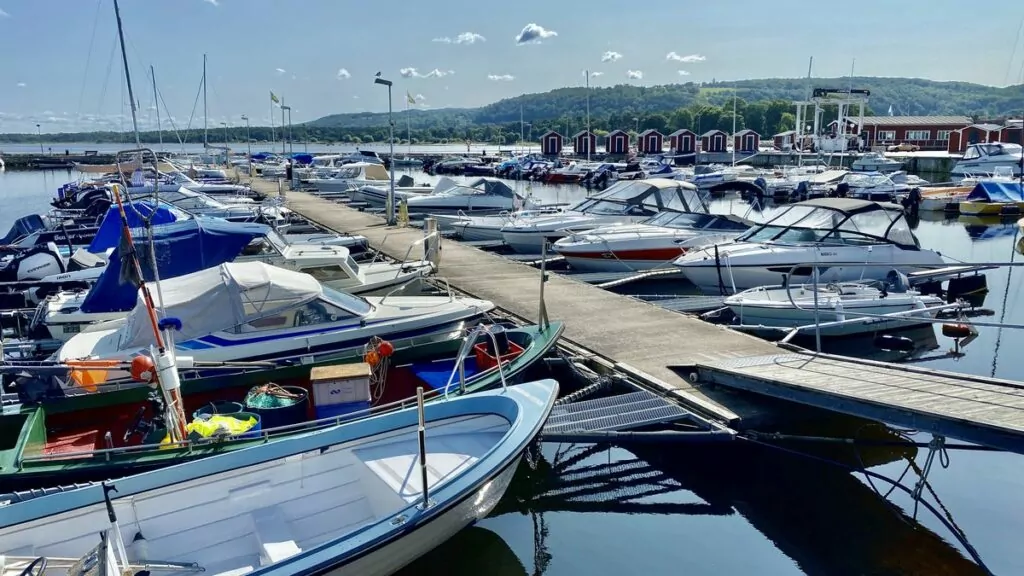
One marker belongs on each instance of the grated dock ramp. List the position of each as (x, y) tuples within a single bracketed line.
[(613, 413)]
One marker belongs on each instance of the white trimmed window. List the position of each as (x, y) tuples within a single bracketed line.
[(919, 134), (943, 135), (886, 135)]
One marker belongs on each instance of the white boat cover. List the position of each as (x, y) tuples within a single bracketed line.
[(219, 298)]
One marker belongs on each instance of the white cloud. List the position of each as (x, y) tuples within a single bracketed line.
[(684, 73), (280, 70), (22, 84), (343, 74), (464, 38), (533, 33), (610, 56), (595, 74), (689, 58), (354, 97), (419, 98), (213, 2), (635, 74), (435, 73), (501, 77), (4, 14)]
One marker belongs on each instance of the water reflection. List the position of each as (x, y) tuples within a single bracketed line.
[(472, 551), (820, 516)]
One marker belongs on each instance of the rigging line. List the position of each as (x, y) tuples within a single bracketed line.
[(1013, 54), (169, 117), (195, 104), (106, 77), (88, 61)]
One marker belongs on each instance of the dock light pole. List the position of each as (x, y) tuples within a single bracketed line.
[(248, 142), (225, 125), (39, 136), (391, 141)]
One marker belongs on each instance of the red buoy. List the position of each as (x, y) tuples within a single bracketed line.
[(143, 369), (956, 330), (386, 349)]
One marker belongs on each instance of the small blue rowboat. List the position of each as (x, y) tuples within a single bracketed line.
[(346, 500)]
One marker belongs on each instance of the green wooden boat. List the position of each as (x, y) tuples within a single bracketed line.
[(85, 437)]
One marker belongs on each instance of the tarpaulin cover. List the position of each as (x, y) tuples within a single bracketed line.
[(181, 248), (109, 232), (996, 192)]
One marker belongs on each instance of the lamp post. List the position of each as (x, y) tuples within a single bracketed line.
[(391, 140), (248, 142), (225, 125), (39, 136)]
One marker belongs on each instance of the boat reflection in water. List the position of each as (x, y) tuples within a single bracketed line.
[(471, 552), (821, 517)]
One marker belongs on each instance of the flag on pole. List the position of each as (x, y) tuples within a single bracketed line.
[(274, 98), (409, 98)]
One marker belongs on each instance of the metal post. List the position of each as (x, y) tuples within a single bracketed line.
[(248, 142), (589, 139), (391, 140), (39, 136), (421, 431), (542, 318), (817, 318), (431, 242)]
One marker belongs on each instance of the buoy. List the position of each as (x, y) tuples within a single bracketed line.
[(372, 358), (956, 330), (385, 349), (897, 343), (142, 369)]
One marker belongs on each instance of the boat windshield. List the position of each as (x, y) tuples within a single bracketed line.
[(816, 224), (671, 219), (350, 302), (867, 180), (636, 197), (275, 239)]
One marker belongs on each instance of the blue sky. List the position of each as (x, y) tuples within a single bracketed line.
[(54, 69)]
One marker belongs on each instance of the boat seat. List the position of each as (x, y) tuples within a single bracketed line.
[(82, 259), (274, 535)]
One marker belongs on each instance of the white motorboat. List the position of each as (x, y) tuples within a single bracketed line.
[(363, 497), (482, 196), (377, 195), (876, 162), (201, 204), (836, 234), (873, 186), (487, 228), (987, 158), (351, 176), (624, 202), (67, 313), (653, 243), (789, 307), (948, 199), (254, 311)]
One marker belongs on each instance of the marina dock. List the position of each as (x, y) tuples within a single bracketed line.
[(715, 371)]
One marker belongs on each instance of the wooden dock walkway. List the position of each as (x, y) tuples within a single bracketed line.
[(711, 368), (637, 337), (986, 411)]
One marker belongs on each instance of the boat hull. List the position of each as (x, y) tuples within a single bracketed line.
[(397, 554), (622, 260), (991, 208), (779, 317)]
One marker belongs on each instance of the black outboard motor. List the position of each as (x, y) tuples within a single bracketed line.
[(802, 191), (897, 282), (842, 190), (912, 203)]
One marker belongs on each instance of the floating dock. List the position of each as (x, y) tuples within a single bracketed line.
[(709, 369)]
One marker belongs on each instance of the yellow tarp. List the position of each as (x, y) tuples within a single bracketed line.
[(220, 425)]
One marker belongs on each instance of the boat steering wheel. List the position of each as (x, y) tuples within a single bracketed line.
[(36, 568), (314, 313)]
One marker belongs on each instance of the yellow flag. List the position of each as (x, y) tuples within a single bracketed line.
[(274, 98)]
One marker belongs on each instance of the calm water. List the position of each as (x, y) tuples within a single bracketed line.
[(296, 147), (740, 509)]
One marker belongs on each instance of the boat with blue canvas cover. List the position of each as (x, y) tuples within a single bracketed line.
[(994, 198), (365, 497)]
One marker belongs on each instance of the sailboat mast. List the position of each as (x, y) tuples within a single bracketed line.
[(156, 102), (206, 139), (127, 74), (733, 126), (589, 139)]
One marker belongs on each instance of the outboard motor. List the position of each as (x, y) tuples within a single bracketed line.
[(761, 183), (501, 337), (897, 282), (842, 189), (802, 191), (33, 263)]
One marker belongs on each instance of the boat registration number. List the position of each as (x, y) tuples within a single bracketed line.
[(72, 328)]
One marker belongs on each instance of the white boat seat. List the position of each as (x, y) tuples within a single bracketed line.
[(85, 259), (274, 535)]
